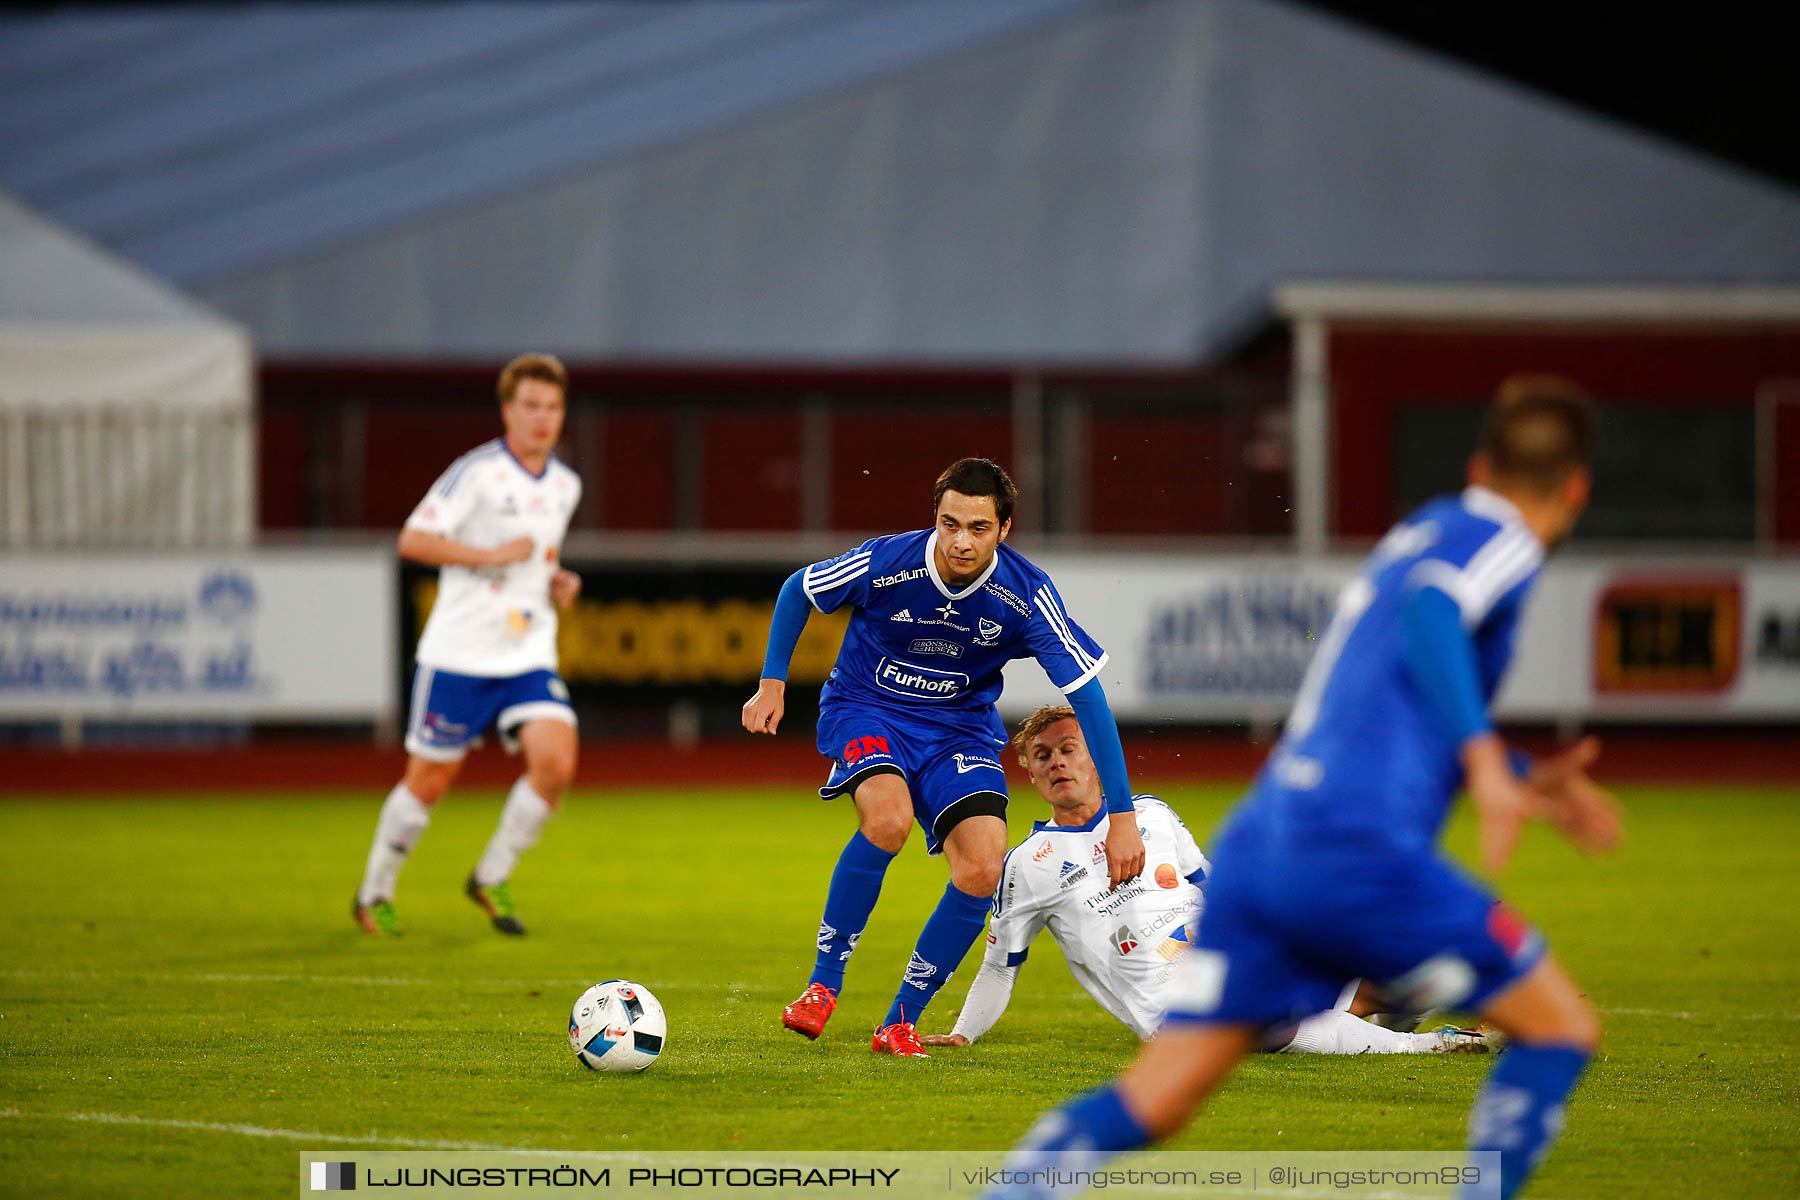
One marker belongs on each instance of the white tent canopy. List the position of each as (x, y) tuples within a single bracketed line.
[(125, 407)]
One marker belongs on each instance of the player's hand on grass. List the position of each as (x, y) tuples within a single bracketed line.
[(515, 551), (762, 712), (944, 1039), (1502, 800), (1562, 794), (1124, 848), (565, 585)]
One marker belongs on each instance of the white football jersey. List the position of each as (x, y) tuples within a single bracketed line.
[(496, 621), (1121, 945)]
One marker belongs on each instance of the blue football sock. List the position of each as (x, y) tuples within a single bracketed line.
[(953, 927), (855, 885), (1080, 1136), (1520, 1109)]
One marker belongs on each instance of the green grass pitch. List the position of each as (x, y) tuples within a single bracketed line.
[(184, 1003)]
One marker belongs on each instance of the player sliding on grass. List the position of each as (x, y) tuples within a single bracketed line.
[(1327, 871), (1123, 945), (908, 720), (494, 523)]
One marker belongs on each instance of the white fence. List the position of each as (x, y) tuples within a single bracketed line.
[(125, 476)]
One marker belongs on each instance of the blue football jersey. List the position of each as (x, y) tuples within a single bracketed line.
[(922, 649), (1363, 755)]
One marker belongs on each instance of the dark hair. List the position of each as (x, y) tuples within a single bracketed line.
[(545, 368), (1538, 432), (978, 477)]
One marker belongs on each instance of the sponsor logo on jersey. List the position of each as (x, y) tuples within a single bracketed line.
[(1099, 852), (1008, 598), (857, 748), (1124, 940), (896, 577), (1177, 916), (918, 971), (919, 683), (934, 646), (945, 611), (988, 632), (1071, 875), (1042, 852), (1068, 868), (1166, 876), (1173, 946), (903, 615), (970, 762), (1107, 903)]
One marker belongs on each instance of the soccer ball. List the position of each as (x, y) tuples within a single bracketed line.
[(617, 1026)]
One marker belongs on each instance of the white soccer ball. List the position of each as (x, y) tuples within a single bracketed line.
[(617, 1026)]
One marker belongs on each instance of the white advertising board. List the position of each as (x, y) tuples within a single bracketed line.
[(1227, 638), (257, 635)]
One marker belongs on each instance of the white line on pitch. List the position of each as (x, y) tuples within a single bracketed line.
[(245, 977), (1681, 1014), (260, 1131)]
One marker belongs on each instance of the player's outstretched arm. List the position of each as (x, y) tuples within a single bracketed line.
[(763, 711), (435, 550), (1124, 845), (987, 1000)]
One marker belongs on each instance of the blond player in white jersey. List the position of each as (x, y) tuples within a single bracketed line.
[(1121, 944), (494, 525)]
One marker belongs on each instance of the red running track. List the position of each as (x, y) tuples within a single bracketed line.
[(1770, 757)]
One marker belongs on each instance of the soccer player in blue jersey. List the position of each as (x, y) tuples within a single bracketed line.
[(1327, 870), (908, 720)]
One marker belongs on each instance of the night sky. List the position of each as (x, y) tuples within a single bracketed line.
[(1719, 78)]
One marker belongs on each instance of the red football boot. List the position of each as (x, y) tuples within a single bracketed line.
[(807, 1015), (899, 1039)]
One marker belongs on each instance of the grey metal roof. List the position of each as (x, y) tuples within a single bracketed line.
[(205, 140), (919, 180)]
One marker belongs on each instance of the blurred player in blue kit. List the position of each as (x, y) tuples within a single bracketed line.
[(1328, 871), (907, 718)]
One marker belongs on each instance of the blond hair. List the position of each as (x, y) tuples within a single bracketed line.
[(544, 367), (1035, 724)]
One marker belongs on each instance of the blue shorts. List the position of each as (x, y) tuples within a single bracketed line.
[(952, 773), (1287, 927), (450, 712)]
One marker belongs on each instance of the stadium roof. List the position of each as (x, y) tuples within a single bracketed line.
[(926, 180), (201, 140)]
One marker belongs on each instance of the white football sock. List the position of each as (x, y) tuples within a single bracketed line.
[(1337, 1032), (403, 818), (521, 822)]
